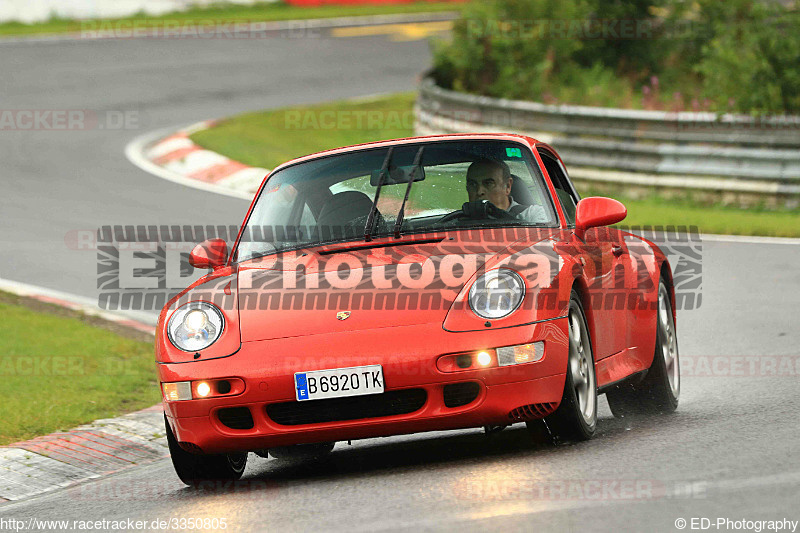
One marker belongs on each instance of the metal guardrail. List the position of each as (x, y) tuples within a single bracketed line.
[(735, 153)]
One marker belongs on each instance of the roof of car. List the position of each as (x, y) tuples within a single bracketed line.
[(411, 140)]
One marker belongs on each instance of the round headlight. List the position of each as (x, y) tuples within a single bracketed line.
[(195, 326), (496, 294)]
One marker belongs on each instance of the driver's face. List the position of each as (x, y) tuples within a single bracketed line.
[(485, 182)]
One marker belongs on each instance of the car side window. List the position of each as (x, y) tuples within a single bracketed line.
[(566, 194)]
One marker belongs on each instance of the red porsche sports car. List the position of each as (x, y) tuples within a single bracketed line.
[(413, 285)]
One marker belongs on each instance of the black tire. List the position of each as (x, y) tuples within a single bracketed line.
[(659, 391), (303, 452), (573, 421), (194, 469)]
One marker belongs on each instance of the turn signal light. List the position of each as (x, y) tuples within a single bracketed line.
[(521, 353), (188, 390), (181, 390), (496, 357)]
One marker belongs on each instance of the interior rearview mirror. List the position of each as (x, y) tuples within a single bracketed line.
[(397, 175)]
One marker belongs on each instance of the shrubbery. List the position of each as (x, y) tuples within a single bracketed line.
[(736, 55)]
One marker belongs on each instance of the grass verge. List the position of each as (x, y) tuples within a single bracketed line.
[(222, 14), (61, 369), (268, 138)]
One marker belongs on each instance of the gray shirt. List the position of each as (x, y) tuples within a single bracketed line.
[(533, 213)]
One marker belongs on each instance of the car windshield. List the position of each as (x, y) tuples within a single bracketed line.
[(330, 198)]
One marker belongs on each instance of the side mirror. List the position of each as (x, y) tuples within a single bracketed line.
[(597, 211), (212, 253)]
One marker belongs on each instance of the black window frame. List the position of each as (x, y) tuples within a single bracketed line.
[(560, 177)]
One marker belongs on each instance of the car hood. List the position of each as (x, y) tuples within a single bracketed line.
[(361, 286)]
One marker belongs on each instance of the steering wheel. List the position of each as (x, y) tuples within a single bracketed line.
[(478, 209)]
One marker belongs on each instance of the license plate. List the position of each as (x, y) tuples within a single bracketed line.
[(339, 382)]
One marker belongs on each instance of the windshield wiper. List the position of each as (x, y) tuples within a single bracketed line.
[(399, 222), (381, 178)]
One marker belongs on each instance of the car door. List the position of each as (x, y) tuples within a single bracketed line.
[(606, 267)]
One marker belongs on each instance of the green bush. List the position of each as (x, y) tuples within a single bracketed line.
[(753, 56), (527, 49), (739, 55), (496, 50)]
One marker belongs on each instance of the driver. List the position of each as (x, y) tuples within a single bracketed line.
[(488, 179)]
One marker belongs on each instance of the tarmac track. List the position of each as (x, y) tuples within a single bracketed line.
[(731, 450)]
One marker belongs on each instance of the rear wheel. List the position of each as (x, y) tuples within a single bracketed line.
[(658, 392), (576, 416), (193, 469)]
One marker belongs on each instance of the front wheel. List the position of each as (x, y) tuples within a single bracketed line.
[(576, 416), (193, 469), (658, 392)]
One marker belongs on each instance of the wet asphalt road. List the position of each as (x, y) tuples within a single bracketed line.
[(730, 451)]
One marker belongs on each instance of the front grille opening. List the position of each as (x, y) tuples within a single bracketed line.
[(390, 403), (458, 394), (236, 417)]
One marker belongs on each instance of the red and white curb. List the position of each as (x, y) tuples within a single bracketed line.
[(172, 155), (103, 447)]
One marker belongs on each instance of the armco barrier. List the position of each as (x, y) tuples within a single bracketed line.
[(737, 157)]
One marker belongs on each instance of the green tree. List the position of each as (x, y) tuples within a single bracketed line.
[(752, 57), (742, 55)]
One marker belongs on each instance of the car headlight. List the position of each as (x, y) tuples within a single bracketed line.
[(496, 294), (195, 326)]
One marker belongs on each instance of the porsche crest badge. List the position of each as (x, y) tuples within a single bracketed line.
[(343, 315)]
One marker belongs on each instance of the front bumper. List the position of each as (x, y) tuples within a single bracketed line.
[(408, 356)]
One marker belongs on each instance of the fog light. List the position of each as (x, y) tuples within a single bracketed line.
[(203, 389), (464, 361), (223, 386), (484, 359), (177, 391)]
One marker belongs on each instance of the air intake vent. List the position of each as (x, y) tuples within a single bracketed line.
[(533, 411), (191, 448), (458, 394), (391, 403), (236, 417)]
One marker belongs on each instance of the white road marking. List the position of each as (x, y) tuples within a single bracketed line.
[(748, 239)]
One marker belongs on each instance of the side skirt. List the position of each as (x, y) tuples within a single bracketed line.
[(633, 378)]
